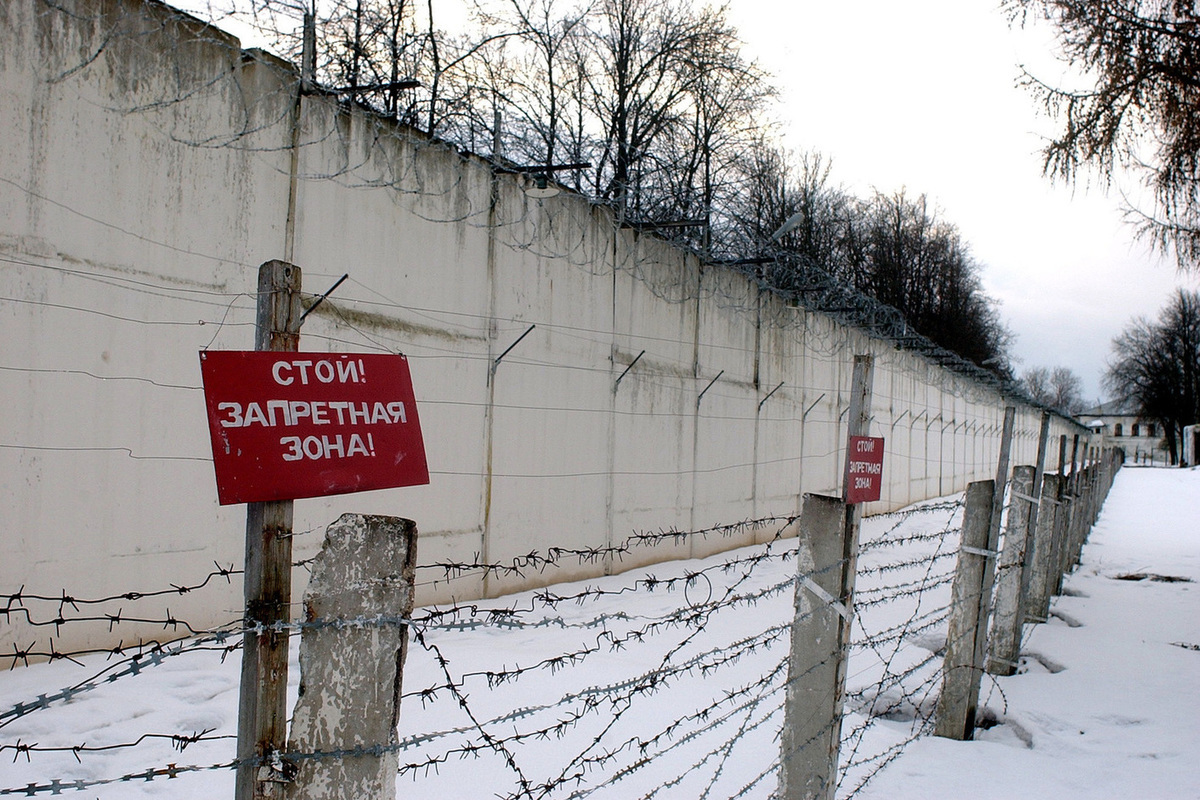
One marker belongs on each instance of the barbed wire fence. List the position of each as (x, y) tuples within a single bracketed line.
[(723, 621), (664, 681)]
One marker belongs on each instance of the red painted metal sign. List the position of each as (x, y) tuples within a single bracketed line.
[(864, 469), (290, 425)]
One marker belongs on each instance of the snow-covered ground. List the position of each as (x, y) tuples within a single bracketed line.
[(1110, 704), (1106, 706)]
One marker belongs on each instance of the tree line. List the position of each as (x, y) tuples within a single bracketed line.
[(1156, 367), (653, 107)]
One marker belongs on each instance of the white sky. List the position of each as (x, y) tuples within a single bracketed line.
[(922, 95)]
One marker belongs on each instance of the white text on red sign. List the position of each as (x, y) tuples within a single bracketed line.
[(290, 425)]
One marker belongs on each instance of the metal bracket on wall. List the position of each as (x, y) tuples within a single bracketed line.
[(508, 350), (321, 299), (626, 372), (768, 397), (706, 388), (804, 416)]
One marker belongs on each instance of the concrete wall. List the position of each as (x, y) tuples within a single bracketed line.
[(146, 165)]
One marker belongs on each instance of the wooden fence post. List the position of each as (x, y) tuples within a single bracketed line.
[(1062, 514), (1035, 490), (974, 584), (968, 616), (262, 712), (1094, 491)]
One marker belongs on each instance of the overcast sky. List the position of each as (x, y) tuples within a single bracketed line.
[(922, 95)]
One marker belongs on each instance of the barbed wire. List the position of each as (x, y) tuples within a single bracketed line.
[(599, 743), (178, 742), (146, 655), (726, 584), (604, 733), (534, 561), (58, 786)]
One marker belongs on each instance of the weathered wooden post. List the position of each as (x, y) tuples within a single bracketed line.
[(1039, 471), (1073, 503), (1009, 614), (262, 714), (811, 739), (351, 668), (1036, 506), (968, 616), (1091, 495)]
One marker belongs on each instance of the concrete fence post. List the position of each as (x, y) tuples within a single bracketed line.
[(1074, 504), (1081, 513), (1009, 614), (343, 735), (813, 701), (1061, 546), (1041, 561), (968, 615)]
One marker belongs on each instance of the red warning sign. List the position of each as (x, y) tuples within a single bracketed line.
[(291, 425), (864, 469)]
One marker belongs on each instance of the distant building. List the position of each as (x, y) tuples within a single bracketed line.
[(1118, 422)]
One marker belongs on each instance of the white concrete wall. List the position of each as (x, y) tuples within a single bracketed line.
[(145, 166)]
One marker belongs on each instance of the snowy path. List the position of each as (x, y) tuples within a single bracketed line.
[(1121, 718)]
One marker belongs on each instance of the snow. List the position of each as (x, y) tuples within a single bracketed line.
[(1119, 720), (1105, 705)]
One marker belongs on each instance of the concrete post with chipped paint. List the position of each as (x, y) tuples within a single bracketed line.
[(812, 704), (1041, 557), (957, 704), (343, 734), (1008, 618)]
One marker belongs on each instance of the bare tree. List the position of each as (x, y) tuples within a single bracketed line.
[(897, 250), (1058, 388), (535, 78), (1142, 111), (721, 117), (1066, 390), (787, 206), (1156, 364), (1036, 381), (639, 84)]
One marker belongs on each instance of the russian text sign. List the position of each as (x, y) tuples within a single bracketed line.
[(291, 425), (864, 469)]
